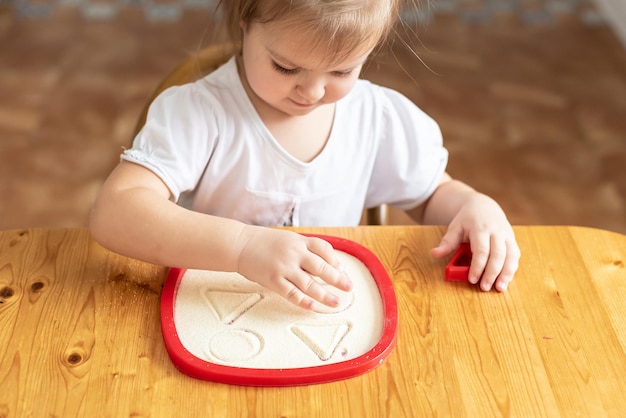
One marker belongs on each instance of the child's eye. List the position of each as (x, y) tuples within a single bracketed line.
[(342, 73), (283, 70)]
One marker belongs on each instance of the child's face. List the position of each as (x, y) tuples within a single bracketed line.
[(285, 74)]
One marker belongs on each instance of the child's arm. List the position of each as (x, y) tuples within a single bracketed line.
[(134, 216), (473, 217)]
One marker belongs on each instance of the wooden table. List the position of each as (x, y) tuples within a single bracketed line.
[(80, 335)]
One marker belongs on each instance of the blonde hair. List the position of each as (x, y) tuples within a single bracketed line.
[(338, 27)]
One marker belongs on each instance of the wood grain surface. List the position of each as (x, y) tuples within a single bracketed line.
[(80, 335)]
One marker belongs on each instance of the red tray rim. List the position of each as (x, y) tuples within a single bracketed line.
[(195, 367)]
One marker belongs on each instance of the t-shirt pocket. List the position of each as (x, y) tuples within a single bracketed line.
[(331, 208), (268, 209)]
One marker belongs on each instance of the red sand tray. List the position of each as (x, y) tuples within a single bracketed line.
[(205, 370)]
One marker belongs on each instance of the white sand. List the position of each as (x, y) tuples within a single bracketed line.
[(226, 319)]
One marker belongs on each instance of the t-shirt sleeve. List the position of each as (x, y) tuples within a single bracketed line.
[(178, 137), (410, 159)]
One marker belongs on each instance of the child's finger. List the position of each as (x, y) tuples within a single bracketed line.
[(302, 289), (316, 266), (495, 263), (480, 246), (324, 264), (323, 249), (510, 267), (449, 243)]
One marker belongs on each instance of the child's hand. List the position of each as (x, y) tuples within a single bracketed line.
[(284, 262), (495, 254)]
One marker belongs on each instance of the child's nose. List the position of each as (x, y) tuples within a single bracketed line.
[(311, 89)]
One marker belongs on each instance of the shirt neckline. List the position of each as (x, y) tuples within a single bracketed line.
[(255, 118)]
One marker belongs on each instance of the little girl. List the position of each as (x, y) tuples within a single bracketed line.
[(286, 134)]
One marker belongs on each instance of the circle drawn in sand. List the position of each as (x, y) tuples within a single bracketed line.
[(235, 345)]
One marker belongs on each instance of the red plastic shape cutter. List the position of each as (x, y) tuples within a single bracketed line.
[(457, 269)]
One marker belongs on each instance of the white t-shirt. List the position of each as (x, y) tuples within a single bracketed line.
[(207, 143)]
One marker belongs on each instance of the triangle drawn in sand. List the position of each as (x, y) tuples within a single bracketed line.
[(230, 305), (323, 340)]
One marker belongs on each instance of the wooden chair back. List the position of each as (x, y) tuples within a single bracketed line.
[(189, 70)]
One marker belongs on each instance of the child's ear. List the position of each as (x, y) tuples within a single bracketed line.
[(243, 25)]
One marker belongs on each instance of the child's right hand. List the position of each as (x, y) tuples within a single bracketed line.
[(285, 262)]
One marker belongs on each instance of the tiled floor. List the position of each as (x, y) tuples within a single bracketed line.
[(533, 112)]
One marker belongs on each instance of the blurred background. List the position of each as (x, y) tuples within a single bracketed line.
[(530, 96)]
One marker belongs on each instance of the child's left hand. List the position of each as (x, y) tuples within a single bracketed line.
[(495, 253)]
